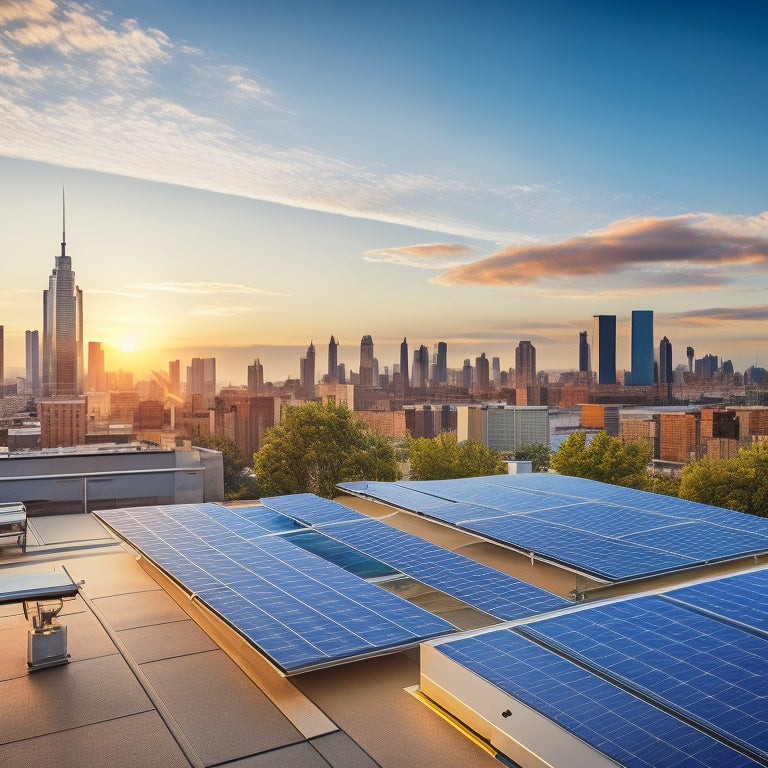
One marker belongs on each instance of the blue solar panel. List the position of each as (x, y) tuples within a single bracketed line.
[(629, 730), (311, 509), (740, 599), (298, 609), (491, 591), (702, 669), (607, 531)]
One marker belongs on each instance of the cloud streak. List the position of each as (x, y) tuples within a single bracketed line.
[(205, 288), (693, 249), (427, 256)]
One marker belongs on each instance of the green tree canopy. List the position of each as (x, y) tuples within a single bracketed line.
[(442, 458), (606, 459), (739, 483), (538, 453), (317, 446), (233, 461)]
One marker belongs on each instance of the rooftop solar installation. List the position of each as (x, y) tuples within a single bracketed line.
[(703, 670), (298, 609), (610, 533), (480, 586), (739, 599), (310, 509), (628, 729)]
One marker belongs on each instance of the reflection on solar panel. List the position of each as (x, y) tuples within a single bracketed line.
[(629, 730), (296, 608), (311, 509), (739, 599), (612, 533), (707, 671)]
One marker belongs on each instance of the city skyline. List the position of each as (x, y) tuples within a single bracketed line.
[(240, 199)]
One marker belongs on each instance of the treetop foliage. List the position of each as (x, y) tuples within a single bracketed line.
[(317, 446), (442, 458)]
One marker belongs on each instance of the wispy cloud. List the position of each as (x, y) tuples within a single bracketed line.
[(83, 89), (428, 256), (205, 288), (691, 252), (210, 310), (721, 315), (109, 292)]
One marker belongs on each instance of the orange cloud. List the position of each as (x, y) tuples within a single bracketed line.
[(426, 256), (703, 241)]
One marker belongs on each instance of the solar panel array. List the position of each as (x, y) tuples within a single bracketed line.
[(675, 679), (628, 729), (296, 608), (487, 589), (611, 533)]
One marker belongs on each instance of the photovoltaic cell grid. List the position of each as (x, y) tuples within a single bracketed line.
[(491, 591), (609, 532), (628, 729), (298, 609), (700, 668)]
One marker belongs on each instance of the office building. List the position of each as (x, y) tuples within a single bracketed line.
[(174, 377), (307, 373), (366, 361), (665, 361), (482, 373), (201, 378), (32, 349), (62, 421), (420, 371), (584, 361), (441, 362), (689, 353), (525, 365), (503, 428), (466, 374), (256, 377), (62, 329), (97, 377), (404, 378), (333, 361), (642, 347), (604, 347)]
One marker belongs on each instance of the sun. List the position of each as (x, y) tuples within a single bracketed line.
[(128, 346)]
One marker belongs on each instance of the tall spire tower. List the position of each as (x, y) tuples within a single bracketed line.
[(62, 325)]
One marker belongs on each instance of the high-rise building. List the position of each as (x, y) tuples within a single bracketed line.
[(97, 379), (333, 361), (32, 345), (256, 377), (584, 361), (642, 347), (665, 361), (496, 372), (62, 328), (689, 353), (466, 374), (525, 365), (307, 372), (482, 373), (604, 347), (174, 377), (404, 378), (420, 373), (342, 373), (442, 362), (201, 378), (62, 421), (366, 361)]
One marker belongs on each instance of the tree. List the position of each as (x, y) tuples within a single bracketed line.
[(442, 458), (737, 483), (235, 481), (606, 459), (539, 453), (317, 446)]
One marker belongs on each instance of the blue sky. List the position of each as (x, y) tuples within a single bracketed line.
[(244, 177)]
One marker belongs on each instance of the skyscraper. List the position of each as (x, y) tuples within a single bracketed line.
[(307, 372), (525, 365), (201, 378), (333, 361), (2, 359), (32, 345), (420, 374), (584, 361), (642, 347), (256, 377), (604, 347), (665, 361), (689, 353), (366, 361), (466, 374), (442, 362), (404, 366), (97, 380), (482, 373), (174, 377), (62, 327)]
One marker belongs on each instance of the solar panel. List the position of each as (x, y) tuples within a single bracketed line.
[(603, 530), (629, 730), (739, 599), (311, 509), (298, 609), (699, 668), (493, 592)]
